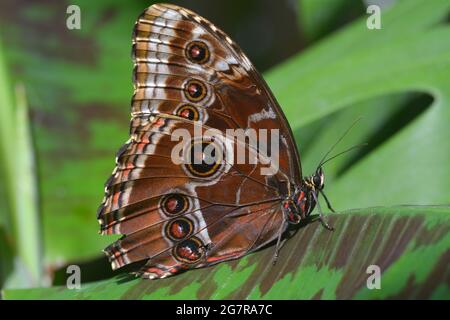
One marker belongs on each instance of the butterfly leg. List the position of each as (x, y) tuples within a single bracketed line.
[(321, 216), (327, 201), (279, 242)]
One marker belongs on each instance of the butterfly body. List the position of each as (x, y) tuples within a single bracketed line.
[(192, 85)]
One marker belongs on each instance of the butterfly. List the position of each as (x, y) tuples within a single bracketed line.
[(188, 74)]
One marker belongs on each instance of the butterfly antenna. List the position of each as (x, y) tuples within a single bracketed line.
[(337, 142), (345, 151)]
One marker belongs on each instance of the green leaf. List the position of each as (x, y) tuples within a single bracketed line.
[(314, 263), (79, 90), (352, 74), (6, 256), (6, 145), (19, 210), (319, 17)]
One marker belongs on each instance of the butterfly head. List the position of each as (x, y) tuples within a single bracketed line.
[(317, 179), (305, 196)]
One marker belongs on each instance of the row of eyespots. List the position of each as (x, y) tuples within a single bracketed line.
[(194, 90), (192, 249), (188, 249), (208, 163)]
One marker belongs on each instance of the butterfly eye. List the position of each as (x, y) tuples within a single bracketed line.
[(179, 229), (189, 112), (195, 90), (317, 181), (174, 204), (197, 52), (189, 251)]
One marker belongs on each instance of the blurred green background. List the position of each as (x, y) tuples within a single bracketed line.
[(65, 102)]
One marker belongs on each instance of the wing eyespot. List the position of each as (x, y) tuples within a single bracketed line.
[(195, 90), (174, 204), (205, 159), (188, 111), (179, 229), (189, 251), (197, 52)]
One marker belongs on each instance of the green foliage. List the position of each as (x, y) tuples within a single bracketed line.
[(19, 225), (396, 78), (315, 263), (320, 17), (357, 72)]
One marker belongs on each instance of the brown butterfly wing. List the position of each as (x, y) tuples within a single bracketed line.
[(176, 216), (240, 99)]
